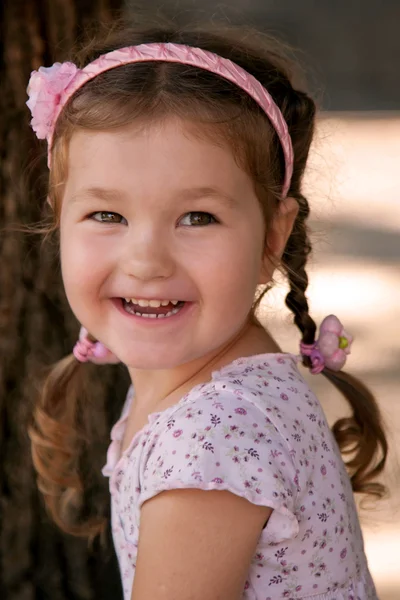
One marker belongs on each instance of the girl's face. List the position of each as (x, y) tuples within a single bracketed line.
[(156, 214)]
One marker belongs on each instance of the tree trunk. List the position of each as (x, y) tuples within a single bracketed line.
[(36, 325)]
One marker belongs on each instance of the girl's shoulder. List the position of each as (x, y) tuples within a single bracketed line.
[(264, 392), (241, 431), (271, 383), (221, 436), (255, 373)]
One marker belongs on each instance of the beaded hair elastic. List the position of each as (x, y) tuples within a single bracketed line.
[(87, 350), (330, 349)]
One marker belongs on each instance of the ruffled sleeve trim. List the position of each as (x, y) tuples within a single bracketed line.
[(222, 441), (282, 524)]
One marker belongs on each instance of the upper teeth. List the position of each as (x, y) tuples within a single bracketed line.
[(153, 303)]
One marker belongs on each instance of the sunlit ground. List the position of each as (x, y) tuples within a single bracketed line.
[(353, 184)]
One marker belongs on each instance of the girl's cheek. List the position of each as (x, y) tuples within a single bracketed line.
[(79, 262)]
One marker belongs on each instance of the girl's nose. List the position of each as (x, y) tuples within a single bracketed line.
[(147, 256)]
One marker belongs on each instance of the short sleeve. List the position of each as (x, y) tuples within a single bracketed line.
[(225, 442)]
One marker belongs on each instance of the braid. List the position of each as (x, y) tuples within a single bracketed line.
[(361, 435), (294, 259), (299, 111)]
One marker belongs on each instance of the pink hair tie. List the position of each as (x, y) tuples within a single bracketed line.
[(87, 351), (330, 349), (50, 88)]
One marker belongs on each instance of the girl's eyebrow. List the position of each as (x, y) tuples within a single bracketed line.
[(98, 193), (195, 193)]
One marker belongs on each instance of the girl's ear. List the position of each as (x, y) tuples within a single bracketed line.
[(279, 230)]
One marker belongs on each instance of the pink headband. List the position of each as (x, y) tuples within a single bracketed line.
[(50, 88)]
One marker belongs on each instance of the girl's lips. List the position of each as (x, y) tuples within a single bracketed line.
[(153, 322)]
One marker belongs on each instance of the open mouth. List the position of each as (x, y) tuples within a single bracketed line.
[(152, 309)]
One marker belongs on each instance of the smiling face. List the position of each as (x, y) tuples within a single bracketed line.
[(154, 213)]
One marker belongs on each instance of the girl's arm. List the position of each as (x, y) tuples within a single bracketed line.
[(196, 544)]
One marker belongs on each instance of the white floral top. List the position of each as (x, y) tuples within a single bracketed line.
[(258, 431)]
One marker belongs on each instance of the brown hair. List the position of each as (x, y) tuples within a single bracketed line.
[(148, 91)]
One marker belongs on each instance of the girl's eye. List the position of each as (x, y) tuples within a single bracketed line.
[(198, 219), (108, 217)]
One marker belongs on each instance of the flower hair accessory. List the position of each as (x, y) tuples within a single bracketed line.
[(330, 349), (50, 88), (45, 88), (87, 351)]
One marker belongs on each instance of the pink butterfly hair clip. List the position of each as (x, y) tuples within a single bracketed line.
[(330, 349)]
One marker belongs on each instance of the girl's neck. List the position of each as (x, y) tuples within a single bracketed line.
[(156, 390)]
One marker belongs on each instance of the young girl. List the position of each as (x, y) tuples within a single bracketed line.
[(176, 161)]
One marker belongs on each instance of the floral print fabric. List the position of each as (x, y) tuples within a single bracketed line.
[(257, 430)]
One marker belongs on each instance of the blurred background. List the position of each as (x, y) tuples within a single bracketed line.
[(350, 52), (354, 273)]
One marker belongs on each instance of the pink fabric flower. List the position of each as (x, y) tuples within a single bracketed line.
[(334, 343), (44, 90), (331, 348), (95, 352)]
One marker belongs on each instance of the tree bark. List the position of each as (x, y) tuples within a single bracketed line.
[(37, 328)]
